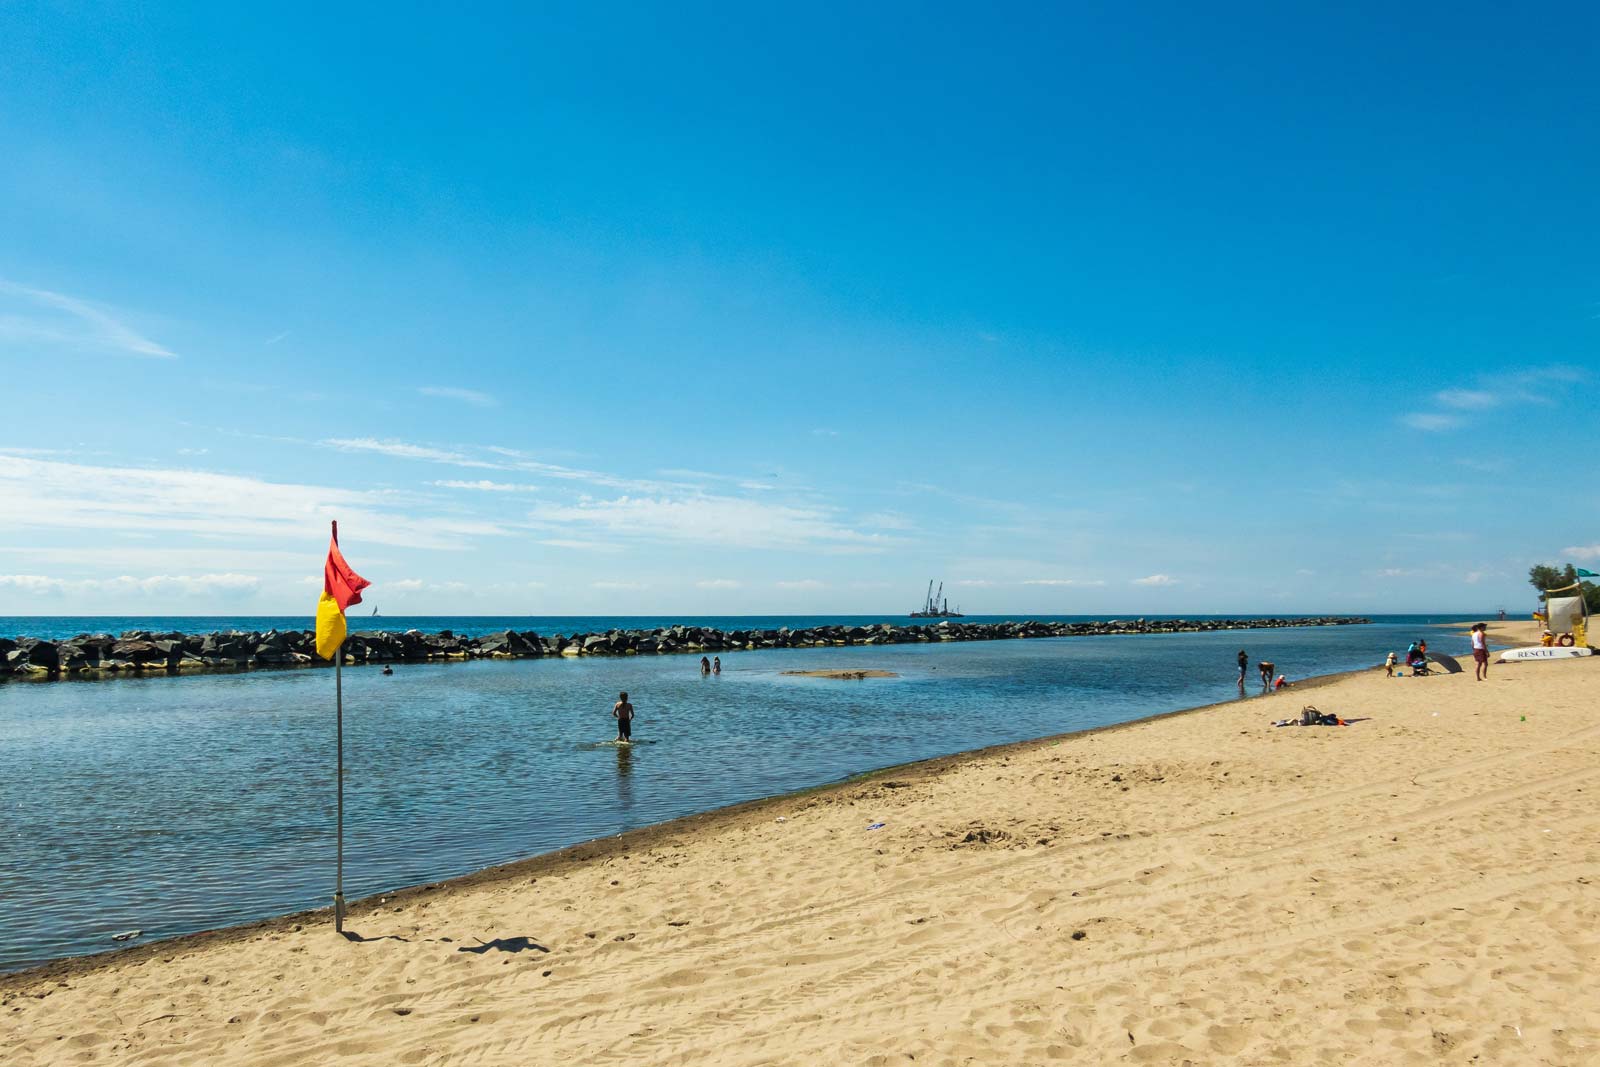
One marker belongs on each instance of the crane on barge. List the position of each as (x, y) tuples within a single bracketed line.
[(937, 606)]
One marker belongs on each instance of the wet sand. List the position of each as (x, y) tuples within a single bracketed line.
[(1421, 887)]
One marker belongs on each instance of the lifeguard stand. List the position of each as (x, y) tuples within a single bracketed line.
[(1567, 614)]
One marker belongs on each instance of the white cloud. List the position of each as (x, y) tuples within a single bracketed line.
[(78, 324), (581, 546), (618, 585), (1467, 399), (209, 586), (717, 520), (973, 582), (488, 486), (803, 583), (1430, 422), (510, 460), (717, 583), (404, 450), (823, 431), (1582, 551), (887, 520), (32, 584), (52, 495), (1080, 581), (466, 396), (1156, 579), (114, 556)]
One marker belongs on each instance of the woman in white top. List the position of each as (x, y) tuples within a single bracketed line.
[(1480, 649)]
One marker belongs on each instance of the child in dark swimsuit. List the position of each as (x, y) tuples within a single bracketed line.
[(623, 713)]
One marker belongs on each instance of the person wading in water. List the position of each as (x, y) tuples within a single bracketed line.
[(623, 713)]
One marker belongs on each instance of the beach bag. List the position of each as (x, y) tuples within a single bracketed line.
[(1310, 716)]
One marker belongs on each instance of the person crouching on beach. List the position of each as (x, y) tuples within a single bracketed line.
[(622, 711), (1267, 668)]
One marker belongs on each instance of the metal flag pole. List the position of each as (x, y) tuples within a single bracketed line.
[(338, 877)]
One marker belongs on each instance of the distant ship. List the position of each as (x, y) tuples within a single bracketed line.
[(936, 606)]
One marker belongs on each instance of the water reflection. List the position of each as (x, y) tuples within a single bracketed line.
[(625, 777)]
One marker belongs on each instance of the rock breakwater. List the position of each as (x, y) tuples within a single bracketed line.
[(140, 652)]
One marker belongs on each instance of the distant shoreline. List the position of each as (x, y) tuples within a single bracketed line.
[(142, 653)]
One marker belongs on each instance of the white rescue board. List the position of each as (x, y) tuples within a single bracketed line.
[(1521, 655)]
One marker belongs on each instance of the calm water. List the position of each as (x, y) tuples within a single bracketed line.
[(179, 804)]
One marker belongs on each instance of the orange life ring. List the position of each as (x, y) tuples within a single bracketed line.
[(1565, 641)]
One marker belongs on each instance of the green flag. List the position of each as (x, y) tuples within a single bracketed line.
[(1587, 574)]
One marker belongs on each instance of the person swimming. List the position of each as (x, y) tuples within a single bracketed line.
[(716, 664), (705, 665)]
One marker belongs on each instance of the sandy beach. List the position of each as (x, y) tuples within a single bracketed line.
[(1420, 887)]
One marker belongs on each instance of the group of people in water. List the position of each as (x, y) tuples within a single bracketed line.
[(1271, 680), (622, 710)]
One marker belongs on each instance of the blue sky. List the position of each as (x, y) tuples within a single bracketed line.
[(701, 310)]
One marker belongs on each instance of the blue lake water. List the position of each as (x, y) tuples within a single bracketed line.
[(176, 804)]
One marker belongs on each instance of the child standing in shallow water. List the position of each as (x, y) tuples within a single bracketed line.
[(622, 711)]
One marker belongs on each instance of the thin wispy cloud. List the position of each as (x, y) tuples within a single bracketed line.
[(1467, 399), (466, 396), (887, 520), (1156, 579), (208, 586), (717, 583), (51, 495), (486, 486), (1430, 422), (712, 520), (1520, 385), (608, 584), (686, 478), (577, 545), (406, 450), (1584, 552), (277, 337), (801, 583), (1081, 581), (417, 585), (77, 323)]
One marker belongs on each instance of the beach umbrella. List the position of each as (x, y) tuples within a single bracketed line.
[(1447, 662)]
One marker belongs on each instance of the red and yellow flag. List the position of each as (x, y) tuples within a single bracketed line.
[(341, 587)]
